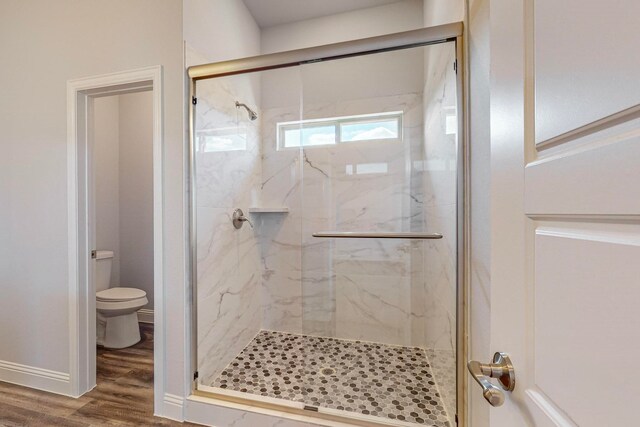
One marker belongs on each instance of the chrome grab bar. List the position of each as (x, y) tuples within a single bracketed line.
[(375, 235)]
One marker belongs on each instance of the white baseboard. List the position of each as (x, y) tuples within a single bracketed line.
[(172, 407), (38, 378), (145, 315)]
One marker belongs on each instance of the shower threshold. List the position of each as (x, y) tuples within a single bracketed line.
[(384, 383)]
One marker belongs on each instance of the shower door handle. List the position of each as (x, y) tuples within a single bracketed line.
[(502, 369)]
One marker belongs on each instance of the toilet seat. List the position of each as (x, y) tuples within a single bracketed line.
[(117, 301), (120, 295)]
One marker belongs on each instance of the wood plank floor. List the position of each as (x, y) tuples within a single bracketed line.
[(123, 396)]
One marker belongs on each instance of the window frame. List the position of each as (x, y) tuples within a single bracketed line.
[(337, 123)]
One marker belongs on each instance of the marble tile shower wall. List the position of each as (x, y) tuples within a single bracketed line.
[(277, 276), (353, 289), (440, 150), (281, 235), (228, 260)]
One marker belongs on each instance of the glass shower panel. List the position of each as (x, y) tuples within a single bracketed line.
[(379, 315), (246, 277)]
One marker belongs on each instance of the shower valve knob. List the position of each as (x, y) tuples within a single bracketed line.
[(238, 219)]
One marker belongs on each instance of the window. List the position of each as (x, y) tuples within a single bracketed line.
[(221, 139), (339, 130)]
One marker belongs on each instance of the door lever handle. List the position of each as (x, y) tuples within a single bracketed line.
[(501, 369)]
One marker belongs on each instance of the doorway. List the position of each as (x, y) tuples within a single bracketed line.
[(91, 225)]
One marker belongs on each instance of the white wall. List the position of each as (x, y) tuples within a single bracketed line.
[(136, 192), (44, 44), (373, 21)]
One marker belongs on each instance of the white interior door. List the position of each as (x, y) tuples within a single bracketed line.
[(565, 130)]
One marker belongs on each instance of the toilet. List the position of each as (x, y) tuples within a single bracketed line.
[(117, 317)]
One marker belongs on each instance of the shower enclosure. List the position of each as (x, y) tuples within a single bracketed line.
[(326, 217)]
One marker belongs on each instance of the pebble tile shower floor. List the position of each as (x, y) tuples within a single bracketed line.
[(392, 382)]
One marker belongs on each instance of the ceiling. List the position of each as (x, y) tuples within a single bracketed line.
[(268, 13)]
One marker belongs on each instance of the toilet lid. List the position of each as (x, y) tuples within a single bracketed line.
[(120, 294)]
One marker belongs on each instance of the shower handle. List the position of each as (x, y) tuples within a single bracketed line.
[(238, 219), (502, 369)]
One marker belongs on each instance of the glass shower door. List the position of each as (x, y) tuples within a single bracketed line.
[(379, 313), (248, 277), (227, 166), (292, 312)]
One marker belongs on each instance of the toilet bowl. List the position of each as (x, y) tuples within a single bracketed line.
[(117, 318)]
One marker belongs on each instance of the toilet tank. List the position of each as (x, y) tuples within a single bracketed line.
[(103, 269)]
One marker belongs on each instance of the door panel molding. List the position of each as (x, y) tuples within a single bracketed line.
[(574, 43), (585, 278), (583, 178), (594, 127), (550, 414)]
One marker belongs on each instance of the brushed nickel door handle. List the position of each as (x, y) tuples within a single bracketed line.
[(501, 369)]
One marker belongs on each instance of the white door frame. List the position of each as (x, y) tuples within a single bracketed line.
[(81, 227)]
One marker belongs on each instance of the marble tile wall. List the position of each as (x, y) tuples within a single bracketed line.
[(353, 289), (228, 168), (281, 234)]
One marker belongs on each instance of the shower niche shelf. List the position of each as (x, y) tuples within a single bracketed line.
[(259, 210)]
